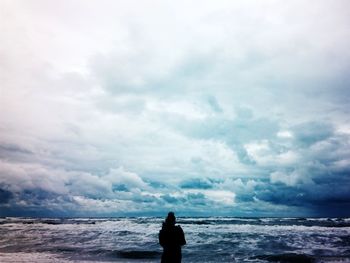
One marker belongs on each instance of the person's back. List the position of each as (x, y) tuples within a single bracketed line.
[(171, 238)]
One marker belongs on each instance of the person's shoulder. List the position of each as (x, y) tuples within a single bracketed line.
[(178, 227)]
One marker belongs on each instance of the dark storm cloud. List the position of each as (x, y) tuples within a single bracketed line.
[(5, 149), (5, 196), (197, 199), (197, 183), (309, 133), (318, 198), (14, 152), (120, 187), (36, 202), (171, 199)]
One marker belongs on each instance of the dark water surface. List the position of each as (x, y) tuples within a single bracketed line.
[(212, 239)]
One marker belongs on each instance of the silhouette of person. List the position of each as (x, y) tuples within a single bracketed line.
[(171, 238)]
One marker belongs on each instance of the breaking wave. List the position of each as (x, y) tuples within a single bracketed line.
[(211, 239)]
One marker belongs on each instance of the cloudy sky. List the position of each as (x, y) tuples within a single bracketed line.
[(133, 107)]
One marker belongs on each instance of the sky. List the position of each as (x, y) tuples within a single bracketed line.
[(205, 108)]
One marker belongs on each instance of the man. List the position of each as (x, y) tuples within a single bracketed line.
[(171, 238)]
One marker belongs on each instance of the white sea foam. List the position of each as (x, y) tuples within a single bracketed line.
[(136, 239)]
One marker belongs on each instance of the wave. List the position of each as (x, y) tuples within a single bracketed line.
[(328, 222), (47, 221), (209, 239), (138, 254), (302, 258), (109, 254), (321, 222), (85, 253), (287, 257)]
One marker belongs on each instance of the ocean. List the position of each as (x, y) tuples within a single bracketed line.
[(209, 239)]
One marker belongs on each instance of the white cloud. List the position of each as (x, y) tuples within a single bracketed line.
[(285, 134), (120, 176), (290, 179), (101, 93), (219, 197), (20, 176)]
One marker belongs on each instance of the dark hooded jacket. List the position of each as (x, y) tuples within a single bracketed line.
[(171, 238)]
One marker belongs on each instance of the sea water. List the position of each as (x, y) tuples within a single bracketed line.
[(210, 239)]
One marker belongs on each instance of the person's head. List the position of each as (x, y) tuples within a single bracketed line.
[(170, 219)]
